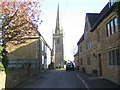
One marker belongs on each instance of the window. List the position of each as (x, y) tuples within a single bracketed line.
[(110, 59), (81, 62), (118, 56), (88, 61), (109, 32), (112, 27), (88, 45), (42, 46), (80, 48), (115, 24), (114, 57)]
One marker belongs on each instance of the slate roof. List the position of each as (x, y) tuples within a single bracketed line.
[(96, 18), (103, 14), (76, 54), (81, 39), (93, 17)]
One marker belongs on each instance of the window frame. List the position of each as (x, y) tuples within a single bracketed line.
[(115, 24), (112, 26), (81, 49), (114, 57), (88, 60), (88, 44)]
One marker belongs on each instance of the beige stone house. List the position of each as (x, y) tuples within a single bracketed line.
[(25, 50), (76, 61), (26, 56), (99, 47)]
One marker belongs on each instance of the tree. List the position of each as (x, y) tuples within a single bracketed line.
[(17, 19)]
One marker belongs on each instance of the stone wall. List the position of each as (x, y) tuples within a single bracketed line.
[(100, 45), (25, 59), (16, 78), (110, 72)]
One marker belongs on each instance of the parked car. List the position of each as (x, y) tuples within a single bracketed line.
[(69, 66)]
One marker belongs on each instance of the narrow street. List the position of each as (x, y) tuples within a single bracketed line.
[(58, 79), (69, 79), (42, 41)]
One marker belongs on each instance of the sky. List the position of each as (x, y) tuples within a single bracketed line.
[(72, 19)]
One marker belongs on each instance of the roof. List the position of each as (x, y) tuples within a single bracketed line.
[(93, 17), (96, 18), (81, 39), (76, 54), (103, 14)]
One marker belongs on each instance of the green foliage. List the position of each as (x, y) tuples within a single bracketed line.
[(116, 9), (2, 67), (1, 48), (5, 58), (119, 13)]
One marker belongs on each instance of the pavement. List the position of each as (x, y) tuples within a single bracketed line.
[(89, 80), (97, 82)]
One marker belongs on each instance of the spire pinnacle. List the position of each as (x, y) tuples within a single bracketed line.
[(57, 21)]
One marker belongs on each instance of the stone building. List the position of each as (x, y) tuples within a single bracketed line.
[(58, 44), (46, 54), (27, 58), (76, 61), (25, 50), (99, 47)]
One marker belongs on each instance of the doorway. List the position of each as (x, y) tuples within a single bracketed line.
[(100, 64)]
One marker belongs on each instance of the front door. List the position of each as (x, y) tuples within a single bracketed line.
[(100, 64)]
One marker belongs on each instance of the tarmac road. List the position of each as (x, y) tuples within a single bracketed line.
[(69, 79), (58, 79)]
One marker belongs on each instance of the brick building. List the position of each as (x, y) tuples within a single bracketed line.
[(99, 47)]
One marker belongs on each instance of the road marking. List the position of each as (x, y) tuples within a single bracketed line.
[(86, 85)]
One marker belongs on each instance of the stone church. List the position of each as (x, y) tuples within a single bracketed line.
[(58, 45)]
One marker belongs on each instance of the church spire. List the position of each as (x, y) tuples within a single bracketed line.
[(57, 30)]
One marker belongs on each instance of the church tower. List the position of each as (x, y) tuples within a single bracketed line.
[(58, 46)]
